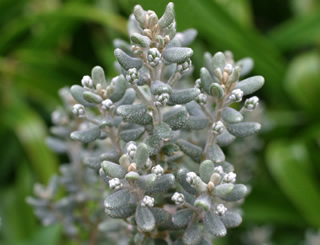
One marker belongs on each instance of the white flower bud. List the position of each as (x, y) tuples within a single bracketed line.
[(154, 56), (131, 150), (217, 128), (218, 170), (158, 170), (148, 163), (201, 99), (132, 76), (228, 68), (162, 99), (178, 198), (221, 210), (230, 177), (115, 184), (185, 66), (190, 178), (87, 82), (147, 201), (107, 105), (236, 95), (78, 110), (251, 103)]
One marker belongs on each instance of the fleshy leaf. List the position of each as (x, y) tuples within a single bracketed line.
[(244, 129), (250, 85), (214, 225), (145, 219), (87, 135)]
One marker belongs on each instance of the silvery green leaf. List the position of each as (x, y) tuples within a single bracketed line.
[(161, 216), (133, 26), (123, 212), (181, 176), (246, 65), (132, 176), (163, 131), (158, 87), (175, 42), (60, 131), (127, 61), (205, 170), (196, 123), (223, 190), (109, 225), (87, 135), (205, 242), (182, 217), (203, 201), (142, 155), (227, 167), (231, 115), (225, 138), (92, 162), (145, 182), (207, 60), (192, 236), (243, 129), (92, 97), (170, 149), (135, 114), (154, 144), (140, 15), (231, 219), (216, 90), (123, 45), (131, 134), (177, 54), (77, 93), (118, 199), (127, 99), (216, 154), (112, 156), (106, 123), (188, 37), (200, 185), (194, 109), (206, 80), (176, 118), (218, 61), (56, 144), (168, 16), (145, 219), (193, 151), (189, 198), (97, 74), (140, 40), (171, 31), (119, 89), (113, 170), (162, 184), (250, 85), (183, 96), (239, 191), (214, 225)]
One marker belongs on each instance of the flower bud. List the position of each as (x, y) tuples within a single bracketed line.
[(221, 210), (178, 198), (78, 110), (87, 82), (154, 56), (218, 170), (191, 178), (158, 170), (230, 177), (217, 128), (185, 66), (162, 99), (147, 201), (236, 95), (107, 105), (132, 76), (251, 103), (202, 99), (131, 150), (115, 184)]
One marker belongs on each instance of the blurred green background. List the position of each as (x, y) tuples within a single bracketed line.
[(48, 44)]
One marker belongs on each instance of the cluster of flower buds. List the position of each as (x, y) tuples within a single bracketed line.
[(217, 128), (178, 198), (87, 82), (154, 56), (107, 105), (78, 110), (251, 103), (162, 99), (236, 95), (132, 76)]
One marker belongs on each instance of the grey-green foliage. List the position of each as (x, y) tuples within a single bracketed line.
[(135, 131)]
